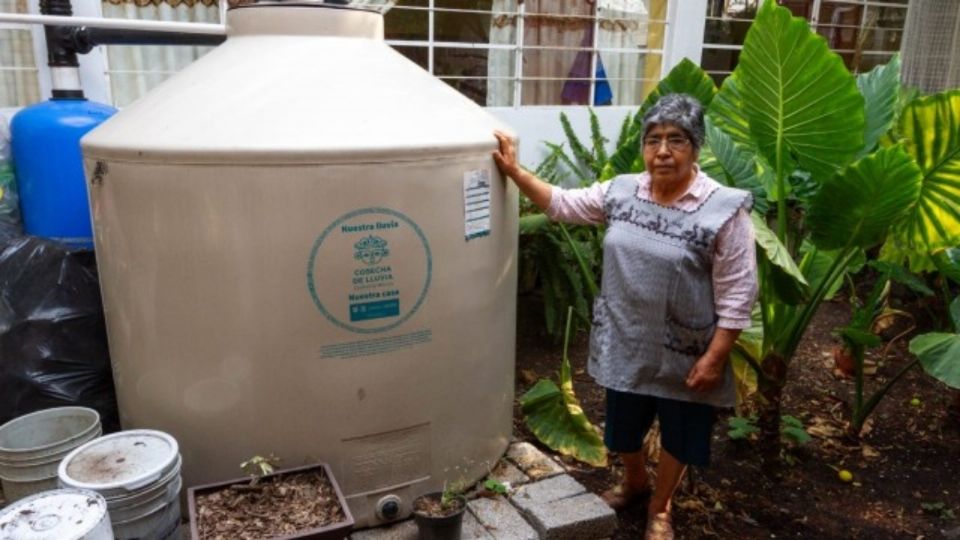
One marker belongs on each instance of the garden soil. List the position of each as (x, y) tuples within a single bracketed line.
[(906, 467)]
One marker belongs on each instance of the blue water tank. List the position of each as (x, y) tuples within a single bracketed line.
[(45, 140)]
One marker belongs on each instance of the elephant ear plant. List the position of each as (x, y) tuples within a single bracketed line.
[(793, 124), (939, 352), (554, 414)]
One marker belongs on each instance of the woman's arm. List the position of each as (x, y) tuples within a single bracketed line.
[(538, 191), (735, 290), (707, 372), (582, 206)]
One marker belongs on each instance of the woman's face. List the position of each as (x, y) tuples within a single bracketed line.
[(668, 153)]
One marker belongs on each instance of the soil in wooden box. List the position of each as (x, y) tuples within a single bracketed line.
[(276, 506)]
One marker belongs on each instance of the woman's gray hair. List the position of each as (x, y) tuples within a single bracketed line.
[(681, 110)]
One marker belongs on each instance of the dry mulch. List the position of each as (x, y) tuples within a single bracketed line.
[(276, 506)]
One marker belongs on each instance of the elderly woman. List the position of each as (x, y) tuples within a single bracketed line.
[(679, 281)]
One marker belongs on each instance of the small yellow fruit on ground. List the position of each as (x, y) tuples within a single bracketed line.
[(915, 402), (845, 475)]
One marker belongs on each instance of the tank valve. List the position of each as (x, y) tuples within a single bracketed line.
[(388, 508)]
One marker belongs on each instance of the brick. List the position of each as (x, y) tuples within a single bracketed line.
[(473, 529), (501, 520), (546, 491), (581, 517), (532, 461), (507, 473)]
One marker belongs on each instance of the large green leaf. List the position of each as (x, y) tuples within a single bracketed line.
[(816, 263), (625, 159), (533, 223), (902, 276), (726, 112), (955, 314), (948, 263), (939, 354), (685, 78), (856, 208), (789, 282), (731, 164), (746, 354), (881, 92), (555, 416), (804, 107), (931, 128)]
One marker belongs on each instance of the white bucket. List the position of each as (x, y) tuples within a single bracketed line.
[(66, 514), (32, 446), (138, 473)]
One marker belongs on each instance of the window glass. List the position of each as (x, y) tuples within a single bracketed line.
[(863, 32), (19, 85), (409, 20), (135, 70), (561, 41)]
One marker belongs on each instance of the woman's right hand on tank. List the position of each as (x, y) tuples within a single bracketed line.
[(506, 156), (538, 191)]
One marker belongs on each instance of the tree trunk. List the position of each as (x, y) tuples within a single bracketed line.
[(771, 391)]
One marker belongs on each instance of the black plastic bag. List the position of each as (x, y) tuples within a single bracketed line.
[(53, 340)]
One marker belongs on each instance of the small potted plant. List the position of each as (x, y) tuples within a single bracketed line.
[(439, 515), (302, 502)]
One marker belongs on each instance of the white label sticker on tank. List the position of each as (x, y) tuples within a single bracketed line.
[(476, 203), (369, 270)]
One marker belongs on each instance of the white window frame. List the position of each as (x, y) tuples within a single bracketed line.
[(92, 65), (39, 55), (431, 44), (814, 21)]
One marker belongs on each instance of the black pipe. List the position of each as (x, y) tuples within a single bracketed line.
[(83, 39), (59, 54)]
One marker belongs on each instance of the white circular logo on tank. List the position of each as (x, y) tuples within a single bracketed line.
[(369, 271)]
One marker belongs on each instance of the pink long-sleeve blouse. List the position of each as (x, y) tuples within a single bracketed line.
[(734, 265)]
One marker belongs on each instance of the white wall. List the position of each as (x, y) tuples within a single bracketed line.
[(535, 125)]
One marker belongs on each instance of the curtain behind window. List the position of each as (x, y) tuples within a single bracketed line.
[(559, 73), (134, 70), (18, 66), (931, 46)]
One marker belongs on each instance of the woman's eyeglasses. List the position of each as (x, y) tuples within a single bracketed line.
[(674, 143)]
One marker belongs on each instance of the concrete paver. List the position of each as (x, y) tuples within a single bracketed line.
[(508, 473), (546, 491), (581, 517), (532, 461), (501, 519)]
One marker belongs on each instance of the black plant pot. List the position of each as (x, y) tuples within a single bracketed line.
[(446, 527)]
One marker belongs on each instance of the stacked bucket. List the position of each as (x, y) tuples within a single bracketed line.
[(138, 473), (32, 447), (63, 514), (128, 483)]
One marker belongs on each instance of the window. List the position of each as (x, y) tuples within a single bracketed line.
[(864, 33), (19, 83), (134, 70), (536, 52), (931, 52)]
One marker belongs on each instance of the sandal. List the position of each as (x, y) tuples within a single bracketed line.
[(619, 498), (659, 527)]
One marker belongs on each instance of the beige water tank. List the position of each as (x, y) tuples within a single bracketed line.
[(305, 249)]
